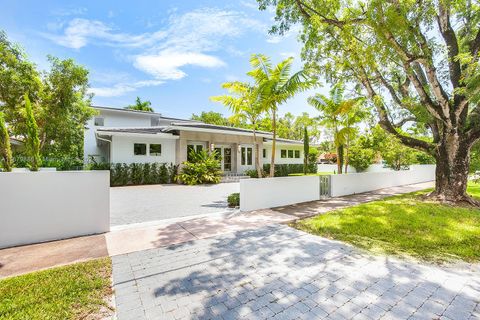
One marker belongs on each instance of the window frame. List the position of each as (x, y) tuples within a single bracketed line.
[(283, 153), (154, 154), (139, 143), (297, 152), (99, 118), (290, 153)]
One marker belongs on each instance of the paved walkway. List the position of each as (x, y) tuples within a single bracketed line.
[(14, 261), (136, 204), (276, 272)]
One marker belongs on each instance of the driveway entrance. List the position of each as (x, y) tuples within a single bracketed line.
[(137, 204)]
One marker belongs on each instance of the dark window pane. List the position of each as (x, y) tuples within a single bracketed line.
[(249, 156), (283, 153), (243, 156), (139, 149), (155, 149), (264, 153), (290, 153), (199, 147), (99, 122), (297, 153)]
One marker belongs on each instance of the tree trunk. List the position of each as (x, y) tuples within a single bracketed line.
[(274, 129), (257, 155), (339, 159), (451, 175)]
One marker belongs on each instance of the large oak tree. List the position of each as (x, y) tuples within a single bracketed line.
[(415, 60)]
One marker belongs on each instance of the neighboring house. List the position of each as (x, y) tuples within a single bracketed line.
[(130, 136)]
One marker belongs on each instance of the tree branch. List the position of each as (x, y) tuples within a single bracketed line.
[(385, 122), (400, 123), (450, 39)]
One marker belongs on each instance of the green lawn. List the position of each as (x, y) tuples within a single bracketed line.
[(405, 225), (76, 291)]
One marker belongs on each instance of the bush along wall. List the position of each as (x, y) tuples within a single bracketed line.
[(283, 170), (122, 174)]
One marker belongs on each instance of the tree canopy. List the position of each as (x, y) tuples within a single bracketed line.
[(141, 105), (414, 61)]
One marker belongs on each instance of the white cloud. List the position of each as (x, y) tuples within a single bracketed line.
[(69, 11), (79, 32), (120, 89), (166, 64)]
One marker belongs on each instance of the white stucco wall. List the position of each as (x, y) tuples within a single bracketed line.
[(278, 158), (44, 206), (345, 184), (274, 192), (122, 150), (111, 119)]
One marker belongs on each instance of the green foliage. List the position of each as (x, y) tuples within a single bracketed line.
[(76, 291), (203, 168), (32, 142), (141, 105), (341, 116), (215, 118), (59, 95), (234, 200), (361, 155), (306, 151), (5, 148), (122, 174), (475, 158), (405, 225)]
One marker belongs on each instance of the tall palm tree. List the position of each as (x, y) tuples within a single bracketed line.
[(340, 115), (140, 105), (243, 101), (276, 86)]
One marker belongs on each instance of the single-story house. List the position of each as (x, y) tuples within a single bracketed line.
[(130, 136)]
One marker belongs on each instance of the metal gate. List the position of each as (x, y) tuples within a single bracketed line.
[(324, 187)]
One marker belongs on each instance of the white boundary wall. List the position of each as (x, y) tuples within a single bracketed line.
[(346, 184), (274, 192), (44, 206)]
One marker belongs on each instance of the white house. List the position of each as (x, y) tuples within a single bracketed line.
[(130, 136)]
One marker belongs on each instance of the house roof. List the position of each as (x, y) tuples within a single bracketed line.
[(142, 130), (147, 113), (201, 125)]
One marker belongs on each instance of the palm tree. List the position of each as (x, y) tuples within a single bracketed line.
[(243, 101), (340, 116), (141, 105), (276, 86)]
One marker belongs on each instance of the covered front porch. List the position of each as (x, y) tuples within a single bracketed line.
[(236, 152)]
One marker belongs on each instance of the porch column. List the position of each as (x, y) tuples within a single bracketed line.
[(234, 158)]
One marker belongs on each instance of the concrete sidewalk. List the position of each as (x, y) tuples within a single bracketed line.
[(24, 259)]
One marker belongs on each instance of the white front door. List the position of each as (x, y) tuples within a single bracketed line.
[(225, 154)]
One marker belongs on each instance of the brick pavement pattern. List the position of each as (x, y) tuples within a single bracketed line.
[(276, 272)]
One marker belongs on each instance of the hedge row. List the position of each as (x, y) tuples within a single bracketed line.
[(122, 174), (283, 170)]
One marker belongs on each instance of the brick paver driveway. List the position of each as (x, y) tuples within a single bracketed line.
[(136, 204), (281, 273)]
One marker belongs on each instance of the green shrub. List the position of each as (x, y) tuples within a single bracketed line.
[(136, 173), (283, 170), (234, 200), (5, 148), (360, 157), (32, 142), (203, 168)]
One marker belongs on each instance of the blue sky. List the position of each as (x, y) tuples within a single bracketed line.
[(173, 53)]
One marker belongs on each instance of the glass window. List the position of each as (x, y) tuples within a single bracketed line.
[(297, 154), (283, 153), (155, 149), (199, 147), (264, 153), (190, 148), (99, 122), (140, 149), (243, 156), (290, 153), (249, 156)]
